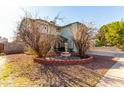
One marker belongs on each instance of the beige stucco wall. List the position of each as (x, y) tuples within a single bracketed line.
[(46, 27)]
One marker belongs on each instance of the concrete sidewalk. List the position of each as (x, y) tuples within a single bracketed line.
[(107, 53), (2, 60), (115, 76)]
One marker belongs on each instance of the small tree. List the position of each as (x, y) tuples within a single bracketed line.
[(100, 36), (82, 39)]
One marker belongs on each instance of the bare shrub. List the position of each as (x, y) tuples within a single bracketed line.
[(82, 39), (35, 34)]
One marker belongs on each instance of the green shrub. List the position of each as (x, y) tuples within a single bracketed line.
[(111, 34), (98, 43)]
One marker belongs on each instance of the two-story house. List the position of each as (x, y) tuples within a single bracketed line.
[(64, 32)]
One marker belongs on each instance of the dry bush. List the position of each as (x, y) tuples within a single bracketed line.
[(82, 39), (31, 31)]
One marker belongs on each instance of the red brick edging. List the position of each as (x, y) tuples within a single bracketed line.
[(64, 62)]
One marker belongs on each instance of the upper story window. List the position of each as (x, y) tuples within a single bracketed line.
[(43, 28)]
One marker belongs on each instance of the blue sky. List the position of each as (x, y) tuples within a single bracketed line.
[(99, 15)]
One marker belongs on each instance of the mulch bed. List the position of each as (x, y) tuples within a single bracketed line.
[(66, 75)]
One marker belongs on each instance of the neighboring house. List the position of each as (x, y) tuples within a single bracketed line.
[(65, 32)]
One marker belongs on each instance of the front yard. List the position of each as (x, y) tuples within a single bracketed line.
[(20, 70)]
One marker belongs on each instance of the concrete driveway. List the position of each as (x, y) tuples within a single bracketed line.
[(115, 76)]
